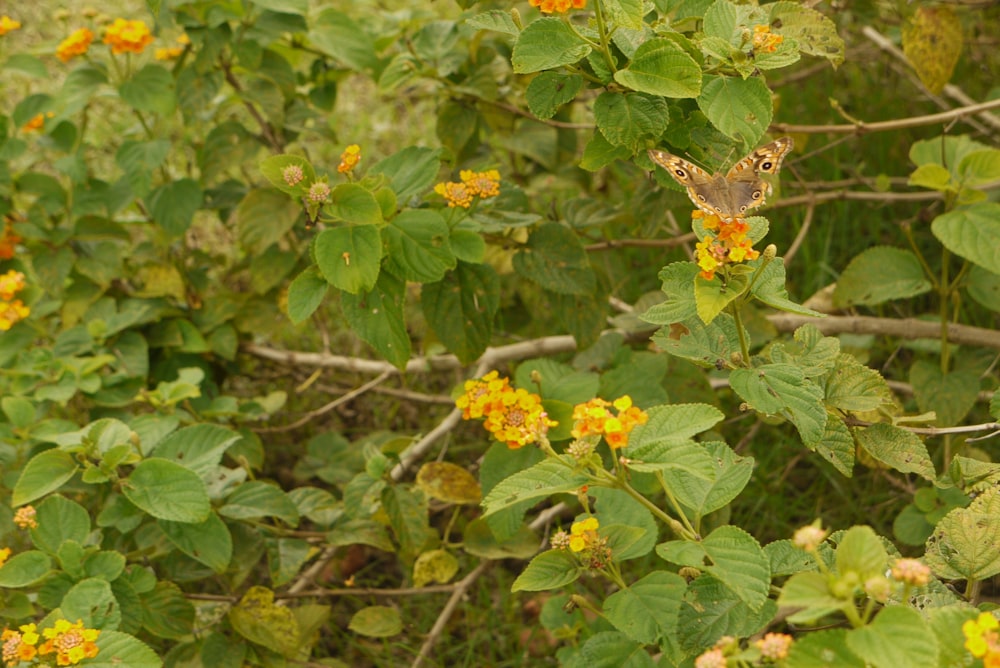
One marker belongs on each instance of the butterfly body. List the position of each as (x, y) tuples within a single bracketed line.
[(733, 194)]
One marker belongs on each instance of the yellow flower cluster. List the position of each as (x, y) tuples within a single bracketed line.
[(4, 555), (584, 541), (557, 6), (473, 184), (774, 646), (127, 36), (729, 245), (24, 518), (982, 639), (349, 159), (514, 416), (11, 310), (35, 124), (594, 418), (172, 52), (583, 535), (71, 643), (765, 41), (75, 45), (8, 24)]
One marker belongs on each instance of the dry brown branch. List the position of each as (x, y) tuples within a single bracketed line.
[(449, 607), (801, 236), (861, 127), (642, 243), (343, 399), (903, 328), (862, 196)]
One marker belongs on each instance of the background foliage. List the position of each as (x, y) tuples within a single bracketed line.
[(231, 404)]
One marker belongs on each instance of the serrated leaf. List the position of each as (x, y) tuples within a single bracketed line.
[(411, 171), (259, 620), (787, 559), (704, 495), (350, 257), (769, 287), (408, 516), (648, 609), (963, 545), (258, 499), (823, 649), (92, 600), (546, 44), (902, 450), (878, 275), (950, 395), (59, 520), (174, 204), (812, 352), (305, 294), (861, 551), (705, 345), (662, 67), (285, 558), (417, 246), (811, 591), (878, 641), (851, 386), (165, 611), (116, 649), (677, 283), (461, 307), (198, 447), (496, 19), (138, 160), (550, 90), (630, 119), (739, 108), (836, 446), (549, 570), (338, 35), (816, 34), (609, 649), (150, 89), (449, 483), (675, 422), (932, 42), (973, 233), (711, 610), (555, 259), (167, 491), (263, 217), (551, 476), (599, 152), (933, 177), (45, 472), (712, 297), (731, 555), (783, 389)]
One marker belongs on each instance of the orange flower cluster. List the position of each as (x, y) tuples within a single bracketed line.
[(594, 418), (473, 184), (765, 41), (24, 518), (349, 159), (4, 555), (36, 123), (8, 24), (71, 643), (8, 241), (127, 36), (11, 310), (729, 245), (75, 45), (514, 416), (172, 52), (557, 6), (584, 540), (982, 639)]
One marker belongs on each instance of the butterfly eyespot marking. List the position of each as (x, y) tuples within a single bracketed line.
[(766, 165)]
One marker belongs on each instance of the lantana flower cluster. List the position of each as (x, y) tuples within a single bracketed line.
[(765, 41), (514, 416), (125, 36), (8, 24), (75, 45), (594, 418), (729, 245), (584, 540), (11, 310), (349, 159), (173, 52), (70, 643), (982, 639), (24, 518), (483, 185), (557, 6), (8, 241)]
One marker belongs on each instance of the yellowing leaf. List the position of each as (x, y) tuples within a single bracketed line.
[(932, 42), (448, 482), (434, 566), (260, 621)]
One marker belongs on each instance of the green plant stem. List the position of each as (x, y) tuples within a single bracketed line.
[(931, 276), (943, 292), (972, 588), (602, 30), (734, 310), (675, 504), (853, 616), (610, 480)]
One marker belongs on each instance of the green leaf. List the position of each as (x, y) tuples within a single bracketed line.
[(138, 160), (208, 542), (549, 570), (610, 650), (711, 610), (548, 477), (434, 566), (92, 601), (812, 352), (105, 564), (823, 649), (837, 445), (417, 244), (783, 389), (810, 591), (677, 282), (19, 410), (902, 450), (354, 204), (45, 472), (861, 551), (407, 510), (816, 34), (599, 152), (174, 204), (338, 35), (221, 651), (630, 119), (980, 167), (963, 545), (932, 42), (411, 171), (739, 108), (285, 558), (199, 447), (704, 495), (550, 90), (649, 608), (167, 491), (165, 611), (377, 317), (300, 7), (555, 259), (546, 44), (662, 67), (786, 559), (258, 499), (263, 217), (305, 294), (878, 275), (349, 257), (712, 297), (705, 345), (461, 307), (448, 482), (59, 520), (769, 287), (116, 649), (25, 568), (973, 233), (951, 396), (932, 177), (497, 20), (878, 642), (150, 89), (273, 168), (984, 287), (259, 620), (377, 621), (731, 555), (851, 386)]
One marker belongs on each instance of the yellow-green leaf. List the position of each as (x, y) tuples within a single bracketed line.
[(932, 42), (447, 482)]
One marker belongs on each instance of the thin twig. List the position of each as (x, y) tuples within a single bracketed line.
[(861, 127), (904, 328), (801, 236), (446, 612), (326, 408)]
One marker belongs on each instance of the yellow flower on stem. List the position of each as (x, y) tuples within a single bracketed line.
[(557, 6), (12, 313), (764, 41), (75, 45), (4, 555), (349, 159), (982, 639), (127, 36), (482, 395), (19, 646), (10, 284), (485, 184), (71, 643), (519, 419), (8, 24), (456, 194)]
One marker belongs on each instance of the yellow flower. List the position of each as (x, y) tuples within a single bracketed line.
[(349, 159), (557, 6), (981, 638), (24, 518), (485, 184), (583, 535), (75, 45), (594, 418), (8, 24), (456, 194), (17, 647), (4, 555), (10, 284), (11, 313), (71, 643), (168, 53), (127, 36), (764, 41), (36, 123), (519, 419), (481, 395)]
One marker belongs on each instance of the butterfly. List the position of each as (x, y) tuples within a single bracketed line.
[(732, 195)]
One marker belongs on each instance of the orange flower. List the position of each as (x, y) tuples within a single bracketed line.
[(8, 24), (557, 6), (36, 123), (4, 555), (75, 45), (485, 184), (19, 646), (764, 41), (12, 313), (71, 643), (127, 36), (456, 194), (730, 245), (515, 417), (24, 518), (593, 418), (8, 241), (349, 159)]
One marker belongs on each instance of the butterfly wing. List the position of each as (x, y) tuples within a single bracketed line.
[(746, 189), (696, 181)]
